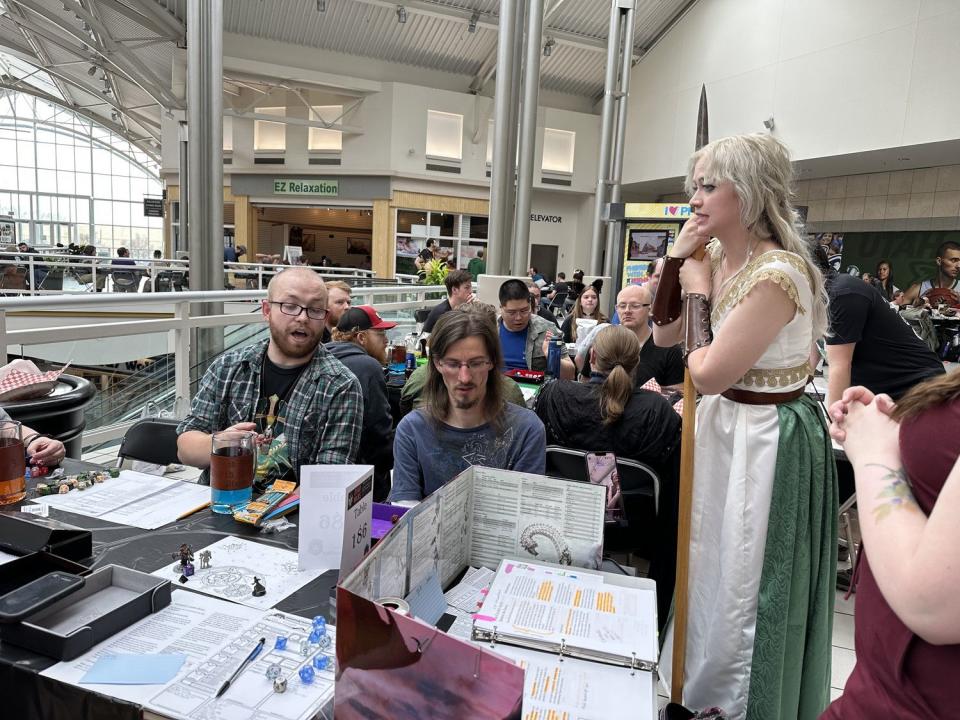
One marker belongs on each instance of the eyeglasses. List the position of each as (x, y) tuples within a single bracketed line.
[(476, 365), (631, 306), (294, 310), (517, 313)]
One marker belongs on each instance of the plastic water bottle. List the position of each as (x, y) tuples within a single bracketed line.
[(553, 358)]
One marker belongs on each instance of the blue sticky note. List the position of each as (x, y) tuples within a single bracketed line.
[(426, 600), (135, 669)]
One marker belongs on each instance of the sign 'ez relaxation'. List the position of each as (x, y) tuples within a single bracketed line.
[(316, 187)]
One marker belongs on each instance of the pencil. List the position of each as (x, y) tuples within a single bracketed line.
[(188, 513)]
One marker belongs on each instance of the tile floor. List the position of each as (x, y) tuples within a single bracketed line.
[(843, 653)]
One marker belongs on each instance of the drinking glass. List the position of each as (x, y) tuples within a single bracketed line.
[(233, 456), (13, 485)]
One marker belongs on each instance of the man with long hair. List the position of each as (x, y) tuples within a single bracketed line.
[(464, 420)]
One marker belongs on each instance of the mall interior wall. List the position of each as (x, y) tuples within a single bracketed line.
[(839, 78)]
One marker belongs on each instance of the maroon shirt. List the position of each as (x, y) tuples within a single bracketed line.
[(899, 675)]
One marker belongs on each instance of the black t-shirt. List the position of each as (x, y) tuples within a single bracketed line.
[(561, 287), (435, 314), (426, 254), (278, 380), (888, 356), (663, 364)]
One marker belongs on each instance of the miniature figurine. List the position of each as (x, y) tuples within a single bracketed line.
[(205, 556), (279, 684), (184, 557), (258, 589), (273, 672), (43, 489), (306, 674), (320, 662), (114, 472), (99, 477), (64, 489), (281, 643), (83, 485)]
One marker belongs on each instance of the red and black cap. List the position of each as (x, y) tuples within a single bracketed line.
[(363, 317)]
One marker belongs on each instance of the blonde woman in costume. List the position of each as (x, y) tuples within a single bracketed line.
[(764, 525)]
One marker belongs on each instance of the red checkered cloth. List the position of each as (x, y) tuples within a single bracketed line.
[(652, 385), (19, 379)]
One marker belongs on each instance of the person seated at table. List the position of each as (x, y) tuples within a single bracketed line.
[(560, 287), (575, 286), (289, 389), (946, 282), (459, 290), (537, 307), (338, 302), (411, 397), (360, 343), (41, 450), (464, 420), (612, 413), (907, 625), (524, 337), (123, 258), (587, 305), (869, 344), (535, 275), (663, 364)]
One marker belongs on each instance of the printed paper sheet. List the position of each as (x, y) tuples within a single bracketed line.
[(234, 562), (135, 499), (215, 636)]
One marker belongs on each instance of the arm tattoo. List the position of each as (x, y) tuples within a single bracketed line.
[(895, 494)]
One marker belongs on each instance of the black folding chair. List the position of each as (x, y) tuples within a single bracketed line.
[(558, 305), (151, 440)]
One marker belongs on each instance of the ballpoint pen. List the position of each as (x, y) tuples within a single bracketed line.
[(250, 658)]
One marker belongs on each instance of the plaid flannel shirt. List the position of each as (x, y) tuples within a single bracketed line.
[(324, 413)]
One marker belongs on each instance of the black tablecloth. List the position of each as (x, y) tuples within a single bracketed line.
[(34, 696)]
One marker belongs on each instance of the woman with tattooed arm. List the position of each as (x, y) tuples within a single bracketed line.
[(905, 460)]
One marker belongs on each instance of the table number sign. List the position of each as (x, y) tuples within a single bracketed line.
[(336, 502)]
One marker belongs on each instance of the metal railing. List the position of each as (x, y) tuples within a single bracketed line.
[(388, 300), (45, 273)]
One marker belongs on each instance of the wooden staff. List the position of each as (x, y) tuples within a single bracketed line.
[(686, 478), (685, 512)]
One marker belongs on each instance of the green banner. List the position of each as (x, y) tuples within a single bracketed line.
[(317, 187), (910, 254)]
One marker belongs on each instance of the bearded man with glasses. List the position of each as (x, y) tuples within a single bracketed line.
[(464, 420), (305, 406)]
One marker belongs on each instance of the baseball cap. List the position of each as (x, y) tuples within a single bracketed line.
[(363, 317)]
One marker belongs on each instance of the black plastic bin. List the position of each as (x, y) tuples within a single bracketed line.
[(59, 414)]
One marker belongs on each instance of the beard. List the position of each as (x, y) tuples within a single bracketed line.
[(284, 343)]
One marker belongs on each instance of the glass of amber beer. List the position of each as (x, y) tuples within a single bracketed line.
[(13, 485)]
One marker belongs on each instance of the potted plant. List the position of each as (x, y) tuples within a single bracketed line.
[(434, 272)]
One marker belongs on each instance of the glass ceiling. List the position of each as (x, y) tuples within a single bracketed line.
[(17, 69)]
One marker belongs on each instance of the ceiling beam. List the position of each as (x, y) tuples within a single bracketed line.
[(144, 16), (27, 56), (488, 21), (136, 70)]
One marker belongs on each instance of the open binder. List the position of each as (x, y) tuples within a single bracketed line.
[(584, 614)]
